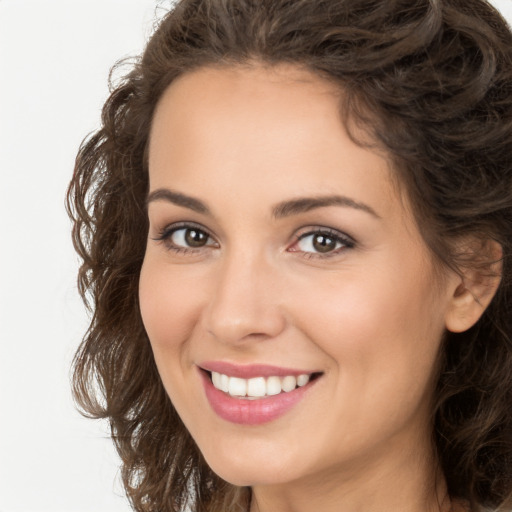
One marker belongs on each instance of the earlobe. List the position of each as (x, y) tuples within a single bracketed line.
[(474, 289)]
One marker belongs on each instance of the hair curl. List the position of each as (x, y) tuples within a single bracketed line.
[(431, 81)]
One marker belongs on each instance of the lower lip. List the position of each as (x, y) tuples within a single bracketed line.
[(251, 412)]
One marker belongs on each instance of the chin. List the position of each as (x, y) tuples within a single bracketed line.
[(250, 477), (248, 471)]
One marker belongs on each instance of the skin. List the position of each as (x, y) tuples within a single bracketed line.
[(370, 315)]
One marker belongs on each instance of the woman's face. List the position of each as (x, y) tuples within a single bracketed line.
[(280, 251)]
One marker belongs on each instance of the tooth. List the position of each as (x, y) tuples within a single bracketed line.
[(237, 387), (273, 386), (256, 386), (224, 383), (302, 380), (289, 383), (216, 377)]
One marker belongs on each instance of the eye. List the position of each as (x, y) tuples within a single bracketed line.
[(189, 237), (185, 238), (322, 242)]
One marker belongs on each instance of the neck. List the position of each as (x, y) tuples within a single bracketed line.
[(408, 484)]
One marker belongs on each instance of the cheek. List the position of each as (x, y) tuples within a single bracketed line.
[(382, 331), (169, 308)]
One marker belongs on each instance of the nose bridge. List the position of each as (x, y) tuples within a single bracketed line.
[(244, 304)]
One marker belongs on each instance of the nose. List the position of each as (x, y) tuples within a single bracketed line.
[(246, 302)]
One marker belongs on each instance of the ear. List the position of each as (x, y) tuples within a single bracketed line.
[(475, 285)]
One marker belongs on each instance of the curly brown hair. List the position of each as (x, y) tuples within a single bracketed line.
[(431, 81)]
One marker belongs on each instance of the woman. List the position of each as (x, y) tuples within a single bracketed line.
[(296, 225)]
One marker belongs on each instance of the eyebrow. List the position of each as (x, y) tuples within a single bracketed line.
[(304, 204), (279, 211), (179, 199)]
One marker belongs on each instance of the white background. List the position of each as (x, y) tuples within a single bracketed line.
[(55, 57)]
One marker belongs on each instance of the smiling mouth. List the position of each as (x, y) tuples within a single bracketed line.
[(259, 387)]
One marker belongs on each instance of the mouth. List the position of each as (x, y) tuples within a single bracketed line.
[(259, 387), (263, 395)]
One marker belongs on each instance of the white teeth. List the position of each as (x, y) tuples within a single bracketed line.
[(224, 383), (288, 383), (258, 387), (216, 378), (302, 380), (237, 387), (273, 386)]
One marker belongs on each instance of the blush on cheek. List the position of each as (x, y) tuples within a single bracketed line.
[(169, 312)]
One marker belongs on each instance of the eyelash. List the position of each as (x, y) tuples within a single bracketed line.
[(335, 236), (165, 235)]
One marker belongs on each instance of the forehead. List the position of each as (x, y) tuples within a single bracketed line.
[(219, 100), (262, 82), (256, 127)]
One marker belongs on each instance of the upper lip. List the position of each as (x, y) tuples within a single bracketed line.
[(248, 371)]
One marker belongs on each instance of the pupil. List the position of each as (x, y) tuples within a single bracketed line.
[(195, 238), (323, 243)]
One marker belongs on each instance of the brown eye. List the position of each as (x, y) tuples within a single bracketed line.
[(195, 238), (188, 238), (323, 243)]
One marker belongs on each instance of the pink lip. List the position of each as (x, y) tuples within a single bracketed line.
[(251, 412), (250, 370)]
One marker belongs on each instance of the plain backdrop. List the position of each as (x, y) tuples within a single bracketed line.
[(55, 57)]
